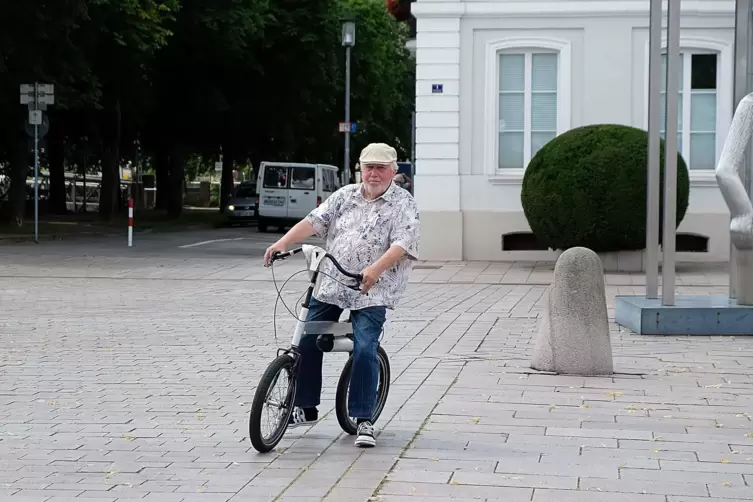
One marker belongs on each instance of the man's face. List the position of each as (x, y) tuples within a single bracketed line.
[(377, 177)]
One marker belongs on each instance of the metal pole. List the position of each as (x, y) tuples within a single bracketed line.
[(36, 167), (83, 207), (346, 169), (654, 138), (130, 222), (670, 157)]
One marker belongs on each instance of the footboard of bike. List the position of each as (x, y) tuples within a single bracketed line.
[(331, 336)]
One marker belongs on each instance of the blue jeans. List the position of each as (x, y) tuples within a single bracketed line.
[(367, 326)]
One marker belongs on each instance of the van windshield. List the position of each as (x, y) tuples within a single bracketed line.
[(302, 178), (275, 177)]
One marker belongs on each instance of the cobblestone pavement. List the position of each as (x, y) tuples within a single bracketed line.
[(129, 379)]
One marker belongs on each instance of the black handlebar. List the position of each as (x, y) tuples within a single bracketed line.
[(357, 277), (281, 256)]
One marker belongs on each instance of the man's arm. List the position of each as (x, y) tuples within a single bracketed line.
[(387, 260), (300, 231), (315, 223)]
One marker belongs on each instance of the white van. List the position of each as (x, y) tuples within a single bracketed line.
[(288, 191)]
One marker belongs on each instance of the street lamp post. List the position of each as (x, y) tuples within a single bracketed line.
[(348, 41)]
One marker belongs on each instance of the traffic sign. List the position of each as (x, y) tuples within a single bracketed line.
[(42, 128), (45, 94), (35, 117), (218, 166), (347, 126)]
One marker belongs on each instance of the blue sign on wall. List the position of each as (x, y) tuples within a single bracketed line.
[(437, 88)]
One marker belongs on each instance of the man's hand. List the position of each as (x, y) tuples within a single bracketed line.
[(277, 247), (370, 277)]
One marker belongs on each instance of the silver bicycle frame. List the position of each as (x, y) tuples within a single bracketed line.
[(333, 336)]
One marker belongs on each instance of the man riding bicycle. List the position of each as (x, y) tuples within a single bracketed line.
[(370, 227)]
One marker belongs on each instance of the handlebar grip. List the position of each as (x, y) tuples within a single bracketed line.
[(279, 256)]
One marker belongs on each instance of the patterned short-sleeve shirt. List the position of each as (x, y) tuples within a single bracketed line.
[(358, 232)]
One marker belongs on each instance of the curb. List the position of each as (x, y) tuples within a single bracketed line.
[(50, 237), (18, 238)]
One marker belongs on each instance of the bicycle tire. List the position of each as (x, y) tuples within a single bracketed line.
[(279, 364), (341, 397)]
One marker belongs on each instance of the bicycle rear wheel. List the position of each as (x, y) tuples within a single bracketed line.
[(347, 423), (282, 402)]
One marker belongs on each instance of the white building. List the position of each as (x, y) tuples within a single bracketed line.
[(496, 79)]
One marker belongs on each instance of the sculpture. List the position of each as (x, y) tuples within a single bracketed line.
[(736, 197)]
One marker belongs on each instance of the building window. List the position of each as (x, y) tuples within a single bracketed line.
[(697, 108), (527, 105)]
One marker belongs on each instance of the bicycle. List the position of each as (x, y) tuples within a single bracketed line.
[(331, 337)]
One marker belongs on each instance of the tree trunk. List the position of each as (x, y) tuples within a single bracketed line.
[(108, 194), (18, 174), (177, 181), (56, 158), (162, 175)]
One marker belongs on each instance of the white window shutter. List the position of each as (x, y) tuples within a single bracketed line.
[(511, 110), (543, 100)]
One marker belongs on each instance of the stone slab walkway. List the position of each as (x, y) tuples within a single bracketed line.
[(124, 379)]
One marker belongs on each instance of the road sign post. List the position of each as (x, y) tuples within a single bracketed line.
[(37, 96)]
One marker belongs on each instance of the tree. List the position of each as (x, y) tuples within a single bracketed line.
[(199, 77), (36, 45), (120, 38), (304, 81), (384, 77)]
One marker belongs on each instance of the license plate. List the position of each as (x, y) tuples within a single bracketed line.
[(245, 213), (274, 201)]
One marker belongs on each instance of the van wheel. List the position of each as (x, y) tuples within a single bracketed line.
[(262, 227)]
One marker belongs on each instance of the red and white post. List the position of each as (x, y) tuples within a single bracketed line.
[(130, 222)]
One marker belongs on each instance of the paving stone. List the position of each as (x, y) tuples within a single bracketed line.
[(644, 487), (545, 495), (128, 377)]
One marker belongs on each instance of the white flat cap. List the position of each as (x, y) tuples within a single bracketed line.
[(378, 153)]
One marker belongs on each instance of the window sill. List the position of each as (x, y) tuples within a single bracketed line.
[(705, 178), (507, 177)]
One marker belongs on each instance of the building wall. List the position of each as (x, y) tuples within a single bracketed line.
[(466, 204)]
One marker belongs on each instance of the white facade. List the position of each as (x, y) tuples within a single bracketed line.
[(552, 66)]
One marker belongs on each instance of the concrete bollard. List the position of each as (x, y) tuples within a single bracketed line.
[(574, 334)]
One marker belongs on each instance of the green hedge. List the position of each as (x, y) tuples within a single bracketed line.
[(587, 187)]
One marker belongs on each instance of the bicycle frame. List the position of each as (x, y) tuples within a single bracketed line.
[(333, 336)]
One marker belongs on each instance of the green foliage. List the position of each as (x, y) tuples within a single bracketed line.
[(382, 69), (254, 79), (587, 187)]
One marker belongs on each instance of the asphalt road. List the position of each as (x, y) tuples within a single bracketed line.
[(228, 243)]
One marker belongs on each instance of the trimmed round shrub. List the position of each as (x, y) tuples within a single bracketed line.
[(587, 187)]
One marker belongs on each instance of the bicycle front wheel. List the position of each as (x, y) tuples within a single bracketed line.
[(271, 408)]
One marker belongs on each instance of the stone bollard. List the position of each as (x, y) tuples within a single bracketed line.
[(574, 334)]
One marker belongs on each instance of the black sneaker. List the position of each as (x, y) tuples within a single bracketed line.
[(365, 437), (303, 416)]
